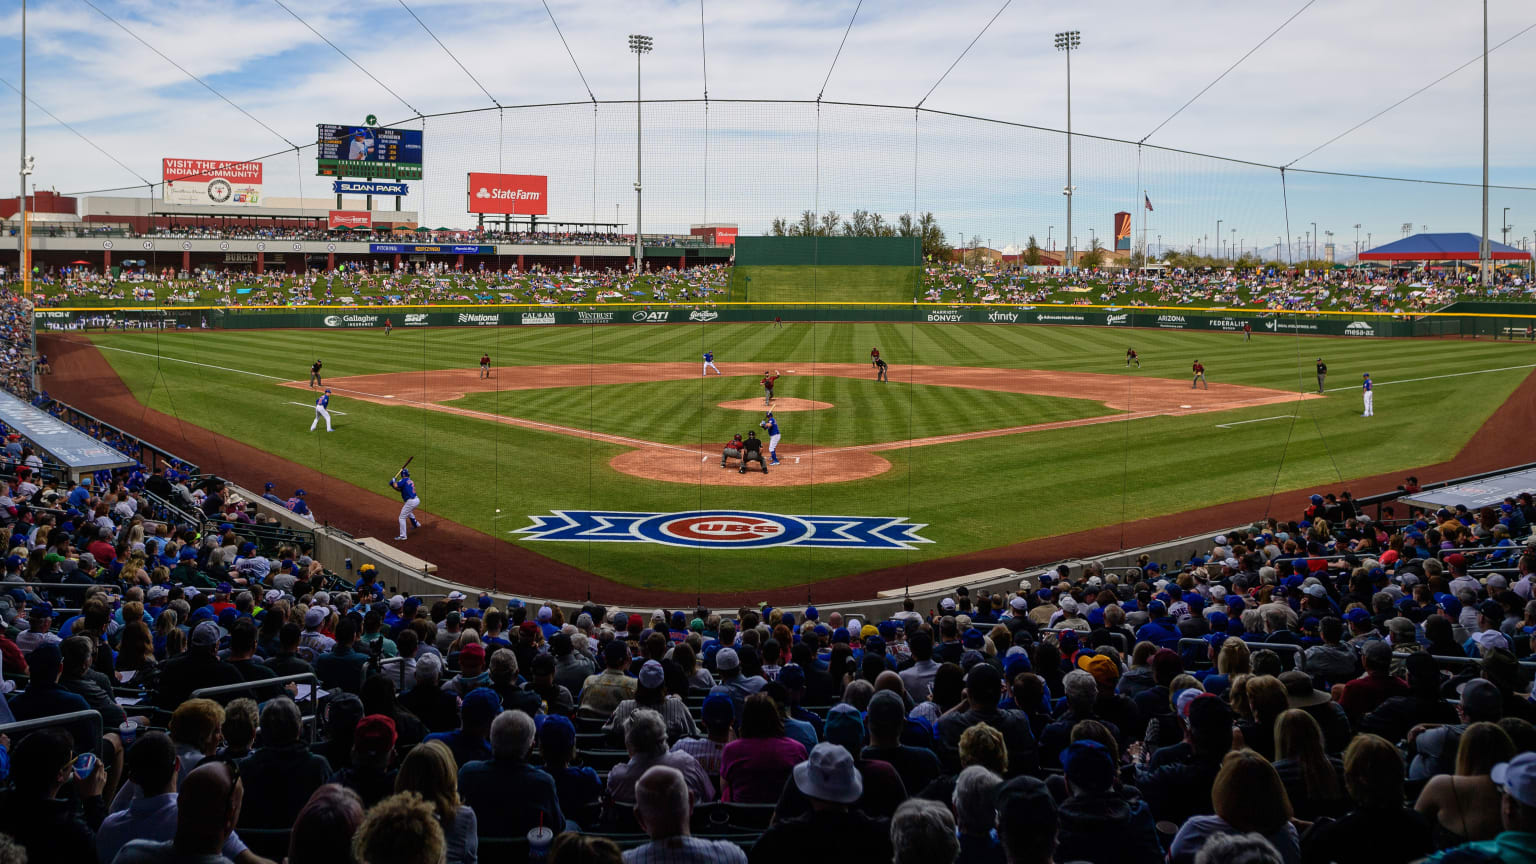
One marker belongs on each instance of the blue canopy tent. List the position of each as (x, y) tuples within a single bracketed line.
[(1442, 247)]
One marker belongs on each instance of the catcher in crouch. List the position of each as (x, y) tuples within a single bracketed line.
[(731, 451)]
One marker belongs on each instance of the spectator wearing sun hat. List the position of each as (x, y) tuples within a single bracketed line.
[(830, 780)]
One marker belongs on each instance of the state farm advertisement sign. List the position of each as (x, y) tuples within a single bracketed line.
[(350, 219), (211, 181), (508, 194)]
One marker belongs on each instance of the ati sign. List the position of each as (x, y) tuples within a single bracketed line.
[(507, 194), (416, 319), (658, 316), (479, 320), (538, 318), (725, 529), (946, 316), (1010, 317), (702, 315), (351, 321), (594, 317)]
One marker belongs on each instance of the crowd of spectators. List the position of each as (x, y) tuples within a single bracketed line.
[(1328, 689)]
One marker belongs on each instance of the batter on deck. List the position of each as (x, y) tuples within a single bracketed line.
[(409, 502), (767, 382)]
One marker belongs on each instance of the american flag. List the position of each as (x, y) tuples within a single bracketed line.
[(1147, 200)]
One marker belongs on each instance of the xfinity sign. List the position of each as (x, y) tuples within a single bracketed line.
[(507, 194)]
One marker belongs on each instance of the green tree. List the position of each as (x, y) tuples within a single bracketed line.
[(1032, 252), (780, 227), (1094, 257), (806, 227), (933, 241)]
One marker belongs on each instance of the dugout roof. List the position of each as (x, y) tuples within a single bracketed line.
[(1442, 247), (1475, 493)]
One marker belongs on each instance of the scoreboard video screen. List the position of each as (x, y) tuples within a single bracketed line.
[(364, 151)]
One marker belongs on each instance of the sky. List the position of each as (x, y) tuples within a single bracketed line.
[(986, 153)]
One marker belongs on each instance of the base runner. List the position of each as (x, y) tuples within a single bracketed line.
[(322, 411), (752, 451), (409, 501), (731, 450), (485, 365), (1199, 369)]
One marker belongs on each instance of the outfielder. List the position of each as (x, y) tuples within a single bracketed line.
[(1199, 369), (1369, 396), (767, 382), (732, 450), (314, 375), (321, 411), (410, 502), (772, 426), (485, 365), (709, 363), (388, 326), (1132, 357), (1322, 372)]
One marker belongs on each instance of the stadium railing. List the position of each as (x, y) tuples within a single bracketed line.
[(73, 723), (1528, 665), (252, 688), (1294, 656)]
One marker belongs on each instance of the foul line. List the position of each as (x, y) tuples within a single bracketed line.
[(1260, 420), (1434, 377)]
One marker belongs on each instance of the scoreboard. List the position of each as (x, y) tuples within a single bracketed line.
[(367, 151)]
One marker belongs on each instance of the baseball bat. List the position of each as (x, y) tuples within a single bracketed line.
[(403, 467)]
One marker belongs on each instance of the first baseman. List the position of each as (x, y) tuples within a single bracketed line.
[(772, 426), (321, 406), (1199, 369), (410, 502), (709, 363), (314, 375), (1369, 396)]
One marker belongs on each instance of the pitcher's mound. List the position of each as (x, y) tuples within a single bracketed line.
[(785, 404)]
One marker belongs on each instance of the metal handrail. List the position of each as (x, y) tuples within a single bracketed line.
[(90, 716), (1474, 661), (1513, 547), (247, 687)]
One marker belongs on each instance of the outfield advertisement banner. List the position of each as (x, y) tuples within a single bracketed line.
[(53, 319), (507, 194), (199, 182), (349, 219)]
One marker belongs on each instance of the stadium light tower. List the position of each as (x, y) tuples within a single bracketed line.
[(1068, 41), (641, 45), (1506, 226), (1357, 242)]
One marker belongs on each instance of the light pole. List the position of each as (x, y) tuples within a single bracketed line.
[(641, 45), (1068, 41), (1483, 264), (1218, 239), (1049, 243), (26, 168), (1231, 251), (1506, 226), (1357, 242), (1329, 243), (1314, 241)]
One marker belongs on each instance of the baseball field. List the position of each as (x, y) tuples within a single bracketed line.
[(984, 438)]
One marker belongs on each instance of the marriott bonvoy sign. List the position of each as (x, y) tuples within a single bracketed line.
[(507, 194)]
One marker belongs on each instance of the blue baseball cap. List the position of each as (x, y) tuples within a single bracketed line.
[(1356, 615), (790, 675), (1449, 603), (1089, 766), (481, 705), (556, 734), (718, 709)]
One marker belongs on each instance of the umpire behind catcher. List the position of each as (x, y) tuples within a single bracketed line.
[(752, 450), (732, 450)]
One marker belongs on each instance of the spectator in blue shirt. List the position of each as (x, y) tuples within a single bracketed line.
[(470, 741), (509, 796)]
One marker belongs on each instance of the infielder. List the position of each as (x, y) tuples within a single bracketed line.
[(314, 375), (772, 426), (1199, 370), (1365, 391), (767, 382), (1132, 357), (485, 365), (874, 356), (732, 450), (709, 363), (321, 411), (407, 490), (1322, 372)]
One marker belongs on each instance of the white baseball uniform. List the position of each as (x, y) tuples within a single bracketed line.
[(321, 405)]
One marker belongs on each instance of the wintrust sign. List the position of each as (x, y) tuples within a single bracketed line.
[(507, 194)]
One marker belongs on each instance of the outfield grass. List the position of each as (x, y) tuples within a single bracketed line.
[(865, 412), (851, 284), (975, 494)]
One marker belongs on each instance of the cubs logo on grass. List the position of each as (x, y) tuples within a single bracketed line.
[(726, 529)]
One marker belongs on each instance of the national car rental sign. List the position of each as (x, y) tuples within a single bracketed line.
[(508, 194)]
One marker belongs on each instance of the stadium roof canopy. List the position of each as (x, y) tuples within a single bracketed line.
[(1442, 247)]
